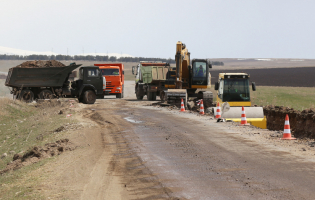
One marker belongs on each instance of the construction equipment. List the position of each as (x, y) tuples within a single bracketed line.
[(150, 79), (49, 82), (115, 78), (189, 78), (233, 92)]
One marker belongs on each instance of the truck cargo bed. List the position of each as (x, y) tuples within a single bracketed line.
[(39, 77)]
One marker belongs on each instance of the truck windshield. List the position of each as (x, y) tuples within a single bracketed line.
[(110, 72), (236, 90), (199, 73)]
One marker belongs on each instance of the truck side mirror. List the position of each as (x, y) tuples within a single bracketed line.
[(133, 70), (210, 66), (253, 86), (216, 86)]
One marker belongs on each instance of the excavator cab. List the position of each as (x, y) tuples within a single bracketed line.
[(200, 76)]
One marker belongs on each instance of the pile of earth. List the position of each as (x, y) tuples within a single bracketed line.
[(37, 153), (40, 64), (301, 122)]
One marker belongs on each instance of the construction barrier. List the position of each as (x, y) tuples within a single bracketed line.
[(243, 118), (202, 110), (287, 131), (218, 112), (182, 106)]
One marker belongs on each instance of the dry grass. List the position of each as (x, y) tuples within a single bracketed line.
[(23, 126)]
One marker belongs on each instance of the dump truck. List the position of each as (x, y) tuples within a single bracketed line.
[(150, 79), (53, 82), (233, 92), (115, 78)]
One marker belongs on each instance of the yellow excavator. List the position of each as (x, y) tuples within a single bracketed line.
[(233, 92), (188, 78)]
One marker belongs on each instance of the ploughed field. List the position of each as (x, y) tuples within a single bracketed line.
[(289, 77)]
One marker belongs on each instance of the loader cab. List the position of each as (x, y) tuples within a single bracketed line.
[(200, 76), (234, 89)]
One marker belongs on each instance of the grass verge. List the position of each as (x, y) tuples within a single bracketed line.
[(23, 126), (299, 98)]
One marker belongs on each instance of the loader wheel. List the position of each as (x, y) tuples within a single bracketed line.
[(26, 96), (46, 94), (89, 97)]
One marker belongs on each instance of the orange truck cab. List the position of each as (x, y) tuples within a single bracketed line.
[(114, 74)]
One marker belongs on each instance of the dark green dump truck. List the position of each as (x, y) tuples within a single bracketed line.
[(28, 84)]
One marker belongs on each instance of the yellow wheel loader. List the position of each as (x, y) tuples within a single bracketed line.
[(233, 92)]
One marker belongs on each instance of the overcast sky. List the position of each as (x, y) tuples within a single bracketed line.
[(151, 28)]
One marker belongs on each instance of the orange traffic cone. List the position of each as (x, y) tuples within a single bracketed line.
[(243, 118), (287, 131), (202, 110), (218, 112), (182, 107)]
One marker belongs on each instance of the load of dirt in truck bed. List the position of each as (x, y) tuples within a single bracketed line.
[(40, 64)]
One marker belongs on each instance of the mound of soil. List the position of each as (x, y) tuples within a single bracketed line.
[(301, 123), (37, 153), (40, 64)]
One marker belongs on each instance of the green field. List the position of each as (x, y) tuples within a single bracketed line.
[(299, 98)]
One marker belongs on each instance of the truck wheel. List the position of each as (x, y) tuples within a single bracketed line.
[(153, 96), (119, 95), (89, 97), (46, 94), (123, 91), (149, 96), (139, 97), (26, 96)]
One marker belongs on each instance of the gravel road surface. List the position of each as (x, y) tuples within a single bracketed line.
[(133, 150)]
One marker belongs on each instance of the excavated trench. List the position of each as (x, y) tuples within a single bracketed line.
[(301, 122)]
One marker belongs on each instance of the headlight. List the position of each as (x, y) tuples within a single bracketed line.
[(118, 88)]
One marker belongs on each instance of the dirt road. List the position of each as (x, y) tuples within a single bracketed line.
[(130, 150)]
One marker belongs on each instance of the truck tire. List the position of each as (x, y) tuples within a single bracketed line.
[(139, 97), (118, 96), (26, 96), (89, 97), (46, 94), (151, 96)]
